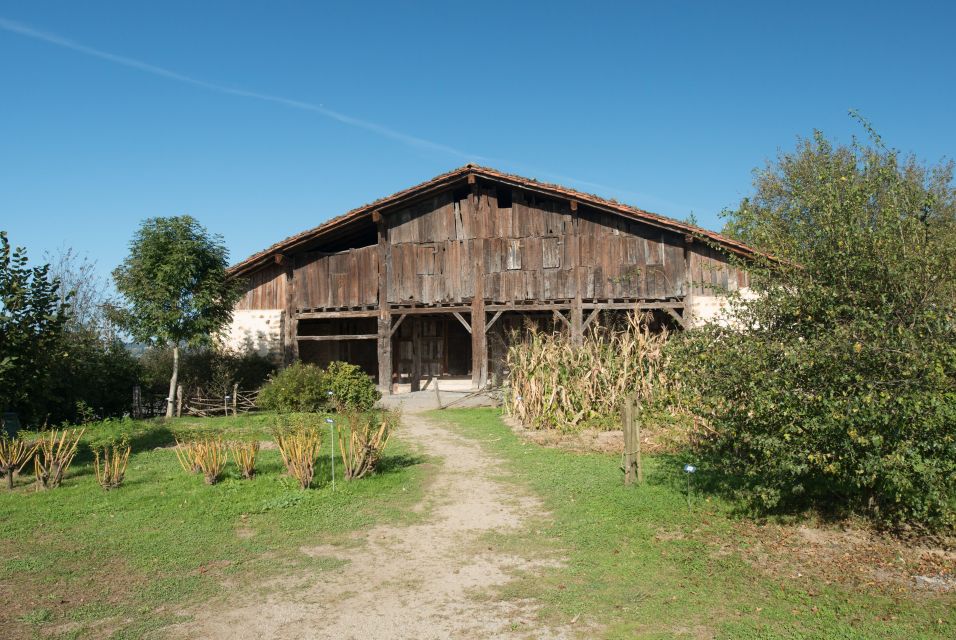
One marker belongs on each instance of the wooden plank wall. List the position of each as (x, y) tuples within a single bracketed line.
[(264, 289), (711, 272), (526, 252)]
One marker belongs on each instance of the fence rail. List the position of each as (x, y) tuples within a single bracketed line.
[(199, 404)]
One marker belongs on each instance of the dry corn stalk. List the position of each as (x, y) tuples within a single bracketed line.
[(14, 454), (244, 453), (210, 457), (56, 451), (362, 444), (111, 470), (556, 384), (299, 447)]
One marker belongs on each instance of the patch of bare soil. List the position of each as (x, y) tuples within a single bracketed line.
[(428, 580), (853, 557)]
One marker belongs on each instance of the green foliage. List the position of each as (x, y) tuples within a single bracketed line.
[(175, 284), (352, 389), (299, 387), (32, 321), (302, 387), (210, 370), (838, 388)]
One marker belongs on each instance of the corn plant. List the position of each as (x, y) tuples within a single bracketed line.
[(556, 384), (14, 454), (244, 453), (210, 457), (109, 464), (56, 452), (299, 446), (361, 444)]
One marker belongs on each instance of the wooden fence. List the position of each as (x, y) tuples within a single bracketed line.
[(200, 403)]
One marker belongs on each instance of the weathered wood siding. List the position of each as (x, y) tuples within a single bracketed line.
[(264, 289), (524, 245)]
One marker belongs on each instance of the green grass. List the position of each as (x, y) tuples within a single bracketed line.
[(645, 564), (77, 560)]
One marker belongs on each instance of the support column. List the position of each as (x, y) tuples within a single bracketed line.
[(384, 311), (577, 311), (479, 338), (290, 334)]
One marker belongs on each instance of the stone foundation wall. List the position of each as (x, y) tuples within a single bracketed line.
[(259, 330)]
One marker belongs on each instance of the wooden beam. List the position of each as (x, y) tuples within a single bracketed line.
[(281, 259), (663, 304), (591, 316), (329, 315), (463, 322), (356, 336), (479, 338), (385, 328), (574, 205), (577, 311), (395, 326), (411, 311), (291, 329), (676, 316), (558, 314), (528, 307), (493, 319)]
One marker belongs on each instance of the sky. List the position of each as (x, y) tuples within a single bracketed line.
[(262, 119)]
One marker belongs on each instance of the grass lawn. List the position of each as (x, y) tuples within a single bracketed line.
[(80, 562), (649, 565)]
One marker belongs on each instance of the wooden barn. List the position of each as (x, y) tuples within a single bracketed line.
[(426, 282)]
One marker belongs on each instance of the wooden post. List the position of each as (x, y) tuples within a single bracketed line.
[(235, 399), (291, 332), (384, 311), (437, 395), (416, 354), (577, 312), (636, 414), (479, 335), (179, 400), (629, 462)]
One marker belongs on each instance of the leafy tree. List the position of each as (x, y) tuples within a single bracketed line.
[(176, 287), (32, 318), (837, 387)]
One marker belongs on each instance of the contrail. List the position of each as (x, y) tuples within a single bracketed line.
[(410, 140)]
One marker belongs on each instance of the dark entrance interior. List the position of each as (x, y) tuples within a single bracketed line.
[(438, 345)]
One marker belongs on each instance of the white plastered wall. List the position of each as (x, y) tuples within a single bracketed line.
[(701, 309), (258, 330)]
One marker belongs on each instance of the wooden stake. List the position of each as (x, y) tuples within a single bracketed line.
[(629, 461)]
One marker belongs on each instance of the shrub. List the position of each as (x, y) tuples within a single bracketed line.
[(244, 453), (836, 389), (299, 443), (299, 387), (56, 452), (556, 384), (111, 471), (186, 454), (205, 370), (351, 388), (362, 442), (14, 454), (209, 455)]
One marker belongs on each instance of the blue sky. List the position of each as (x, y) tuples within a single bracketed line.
[(263, 119)]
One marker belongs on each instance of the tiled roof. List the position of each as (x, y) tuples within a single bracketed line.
[(445, 179)]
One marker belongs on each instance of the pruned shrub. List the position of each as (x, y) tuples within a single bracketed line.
[(210, 457), (56, 450), (14, 454), (109, 464), (186, 454), (300, 387), (244, 454), (299, 443), (363, 440), (351, 389), (555, 384)]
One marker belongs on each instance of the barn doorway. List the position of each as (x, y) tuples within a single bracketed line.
[(430, 347)]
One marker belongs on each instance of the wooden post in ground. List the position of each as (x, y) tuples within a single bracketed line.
[(235, 399), (577, 311), (629, 461), (636, 414), (437, 394), (479, 335), (384, 311), (179, 401)]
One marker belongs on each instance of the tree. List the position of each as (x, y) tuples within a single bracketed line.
[(32, 319), (837, 388), (176, 287)]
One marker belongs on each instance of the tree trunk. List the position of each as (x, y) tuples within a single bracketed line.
[(172, 383)]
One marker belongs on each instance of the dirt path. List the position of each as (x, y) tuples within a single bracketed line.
[(420, 581)]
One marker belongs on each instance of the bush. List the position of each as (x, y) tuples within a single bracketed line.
[(351, 388), (298, 388), (837, 389), (206, 371)]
